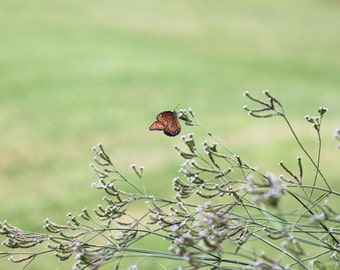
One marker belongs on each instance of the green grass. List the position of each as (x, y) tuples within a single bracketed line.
[(75, 73)]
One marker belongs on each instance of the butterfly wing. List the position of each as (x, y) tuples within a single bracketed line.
[(173, 130), (165, 116), (156, 126)]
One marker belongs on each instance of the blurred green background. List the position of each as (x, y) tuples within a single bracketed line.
[(76, 73)]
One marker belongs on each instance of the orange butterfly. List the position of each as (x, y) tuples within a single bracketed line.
[(168, 122)]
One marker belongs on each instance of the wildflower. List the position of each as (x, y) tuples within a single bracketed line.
[(273, 194), (317, 218)]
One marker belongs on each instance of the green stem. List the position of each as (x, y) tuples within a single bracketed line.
[(316, 165)]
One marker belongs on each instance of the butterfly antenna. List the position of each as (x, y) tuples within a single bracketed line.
[(176, 107)]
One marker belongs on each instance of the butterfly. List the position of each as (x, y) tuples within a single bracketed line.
[(168, 122)]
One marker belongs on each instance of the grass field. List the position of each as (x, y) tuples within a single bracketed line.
[(75, 73)]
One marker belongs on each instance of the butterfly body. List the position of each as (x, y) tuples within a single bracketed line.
[(167, 121)]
